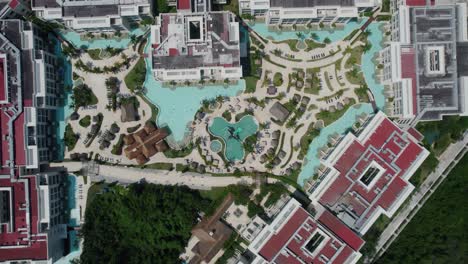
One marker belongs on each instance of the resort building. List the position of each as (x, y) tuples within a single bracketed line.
[(295, 236), (33, 209), (93, 15), (426, 79), (30, 92), (10, 9), (303, 12), (366, 174), (33, 217), (196, 47), (210, 234), (145, 143)]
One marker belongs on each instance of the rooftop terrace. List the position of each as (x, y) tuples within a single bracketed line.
[(196, 40)]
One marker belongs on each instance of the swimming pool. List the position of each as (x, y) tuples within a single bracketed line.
[(368, 66), (349, 118), (233, 135), (64, 111), (340, 126), (177, 106), (333, 35), (76, 40), (216, 146)]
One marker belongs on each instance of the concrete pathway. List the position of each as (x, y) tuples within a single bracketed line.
[(129, 175)]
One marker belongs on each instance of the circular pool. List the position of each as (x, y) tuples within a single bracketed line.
[(216, 146)]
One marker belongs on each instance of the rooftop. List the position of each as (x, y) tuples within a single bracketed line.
[(187, 41), (368, 174), (309, 3), (295, 237), (434, 68), (24, 233)]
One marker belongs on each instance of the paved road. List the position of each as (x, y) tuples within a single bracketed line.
[(129, 175), (447, 162)]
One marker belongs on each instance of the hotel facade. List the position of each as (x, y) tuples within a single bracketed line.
[(93, 15), (423, 65), (303, 12)]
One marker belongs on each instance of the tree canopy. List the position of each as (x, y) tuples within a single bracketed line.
[(144, 223)]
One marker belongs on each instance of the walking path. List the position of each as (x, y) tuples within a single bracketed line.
[(447, 161), (130, 175)]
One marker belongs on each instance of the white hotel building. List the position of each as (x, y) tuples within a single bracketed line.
[(196, 46), (93, 15), (306, 11), (424, 63)]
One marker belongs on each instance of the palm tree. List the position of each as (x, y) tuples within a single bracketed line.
[(314, 36), (327, 41), (133, 39), (277, 52), (108, 49), (367, 47), (354, 72), (348, 49), (367, 33), (300, 35)]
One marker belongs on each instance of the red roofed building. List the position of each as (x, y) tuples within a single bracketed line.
[(14, 8), (33, 208), (32, 227), (295, 236), (367, 174)]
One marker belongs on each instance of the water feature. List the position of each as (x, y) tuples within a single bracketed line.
[(340, 126), (233, 135), (368, 65), (333, 35), (216, 146), (349, 118), (75, 38), (64, 111), (177, 106)]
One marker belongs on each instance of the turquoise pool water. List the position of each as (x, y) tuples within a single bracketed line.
[(64, 111), (216, 146), (334, 35), (340, 126), (234, 135), (75, 39), (177, 107), (369, 67), (349, 118)]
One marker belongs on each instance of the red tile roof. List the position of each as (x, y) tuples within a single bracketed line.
[(2, 80), (415, 2), (30, 244), (183, 5), (408, 70), (388, 146), (341, 230), (287, 245), (14, 4)]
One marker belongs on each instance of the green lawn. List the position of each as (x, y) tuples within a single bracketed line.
[(292, 43), (438, 232), (355, 58), (313, 45), (329, 117), (306, 139), (250, 84), (136, 77), (278, 79), (94, 54), (85, 121)]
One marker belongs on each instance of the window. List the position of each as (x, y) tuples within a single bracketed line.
[(369, 175), (314, 242)]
